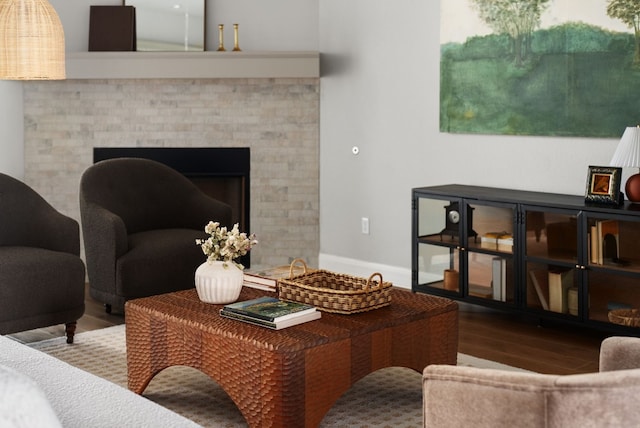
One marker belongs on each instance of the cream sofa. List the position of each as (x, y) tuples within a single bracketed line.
[(37, 390), (457, 396)]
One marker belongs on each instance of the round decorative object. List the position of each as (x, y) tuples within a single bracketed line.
[(632, 188), (218, 282), (451, 279), (454, 216)]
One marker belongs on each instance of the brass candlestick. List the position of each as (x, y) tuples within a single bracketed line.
[(236, 46), (221, 38)]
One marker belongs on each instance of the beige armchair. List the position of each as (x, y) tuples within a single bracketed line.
[(456, 396)]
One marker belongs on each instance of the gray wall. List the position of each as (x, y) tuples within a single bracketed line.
[(11, 129), (379, 91)]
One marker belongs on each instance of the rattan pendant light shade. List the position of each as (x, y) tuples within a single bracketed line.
[(31, 41)]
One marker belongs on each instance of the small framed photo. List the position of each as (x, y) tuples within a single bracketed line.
[(603, 185)]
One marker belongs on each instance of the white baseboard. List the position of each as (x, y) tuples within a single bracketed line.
[(398, 276)]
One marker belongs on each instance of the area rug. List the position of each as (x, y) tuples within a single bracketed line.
[(390, 397)]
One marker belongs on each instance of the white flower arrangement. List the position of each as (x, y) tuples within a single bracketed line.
[(226, 245)]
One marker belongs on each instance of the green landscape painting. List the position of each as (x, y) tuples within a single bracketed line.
[(540, 67)]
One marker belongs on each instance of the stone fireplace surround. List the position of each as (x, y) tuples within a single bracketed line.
[(277, 118)]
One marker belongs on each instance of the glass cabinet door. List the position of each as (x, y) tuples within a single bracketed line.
[(489, 251), (613, 273), (439, 233), (551, 257)]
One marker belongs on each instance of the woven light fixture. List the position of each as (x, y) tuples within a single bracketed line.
[(31, 41)]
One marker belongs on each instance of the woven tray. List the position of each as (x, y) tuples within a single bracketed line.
[(628, 317), (335, 292)]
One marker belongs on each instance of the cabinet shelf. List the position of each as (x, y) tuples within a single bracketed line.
[(477, 247), (446, 241), (556, 265)]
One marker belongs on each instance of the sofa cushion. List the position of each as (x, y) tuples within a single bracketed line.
[(457, 396), (22, 402), (151, 266), (56, 286), (83, 400)]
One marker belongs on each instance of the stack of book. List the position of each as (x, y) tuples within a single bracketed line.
[(267, 279), (498, 241), (271, 312)]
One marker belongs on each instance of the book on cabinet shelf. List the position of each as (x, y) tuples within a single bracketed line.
[(572, 300), (604, 242), (560, 280), (499, 279)]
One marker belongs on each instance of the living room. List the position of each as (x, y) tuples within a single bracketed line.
[(377, 127), (379, 92)]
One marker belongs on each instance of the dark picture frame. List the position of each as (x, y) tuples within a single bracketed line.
[(603, 185)]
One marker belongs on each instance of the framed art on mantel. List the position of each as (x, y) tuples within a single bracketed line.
[(563, 68), (170, 25)]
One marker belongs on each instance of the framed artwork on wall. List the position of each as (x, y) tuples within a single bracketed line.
[(603, 185), (554, 68)]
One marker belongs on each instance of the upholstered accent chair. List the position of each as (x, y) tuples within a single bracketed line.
[(42, 277), (140, 219), (456, 396)]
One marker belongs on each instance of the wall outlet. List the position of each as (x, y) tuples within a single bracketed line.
[(364, 223)]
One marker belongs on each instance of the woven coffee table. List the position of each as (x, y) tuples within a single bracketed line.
[(289, 377)]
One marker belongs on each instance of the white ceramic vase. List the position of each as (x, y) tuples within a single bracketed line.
[(218, 282)]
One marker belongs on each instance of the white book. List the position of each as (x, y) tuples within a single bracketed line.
[(559, 283), (499, 278), (258, 286)]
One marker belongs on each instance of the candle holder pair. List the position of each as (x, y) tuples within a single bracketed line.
[(236, 45)]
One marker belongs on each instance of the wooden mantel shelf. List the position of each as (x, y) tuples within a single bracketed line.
[(192, 65)]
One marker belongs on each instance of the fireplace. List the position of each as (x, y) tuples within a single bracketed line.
[(221, 172)]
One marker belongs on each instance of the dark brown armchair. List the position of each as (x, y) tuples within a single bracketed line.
[(42, 277), (140, 219)]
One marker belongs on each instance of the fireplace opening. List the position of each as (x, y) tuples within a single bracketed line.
[(220, 172)]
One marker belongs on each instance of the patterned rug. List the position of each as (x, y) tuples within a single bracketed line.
[(390, 397)]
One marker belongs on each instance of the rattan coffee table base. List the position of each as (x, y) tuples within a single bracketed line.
[(290, 377)]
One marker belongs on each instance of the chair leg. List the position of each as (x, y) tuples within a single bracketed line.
[(107, 308), (70, 330)]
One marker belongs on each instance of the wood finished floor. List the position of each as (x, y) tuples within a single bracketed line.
[(484, 333)]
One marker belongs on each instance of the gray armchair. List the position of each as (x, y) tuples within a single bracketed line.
[(42, 277), (456, 396), (140, 220)]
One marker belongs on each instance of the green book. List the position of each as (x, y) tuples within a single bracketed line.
[(269, 309), (306, 317)]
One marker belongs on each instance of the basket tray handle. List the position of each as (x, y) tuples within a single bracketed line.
[(293, 264), (370, 281)]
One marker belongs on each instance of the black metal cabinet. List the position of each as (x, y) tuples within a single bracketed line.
[(548, 255)]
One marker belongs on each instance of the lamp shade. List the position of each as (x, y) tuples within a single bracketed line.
[(628, 151), (628, 154), (31, 41)]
